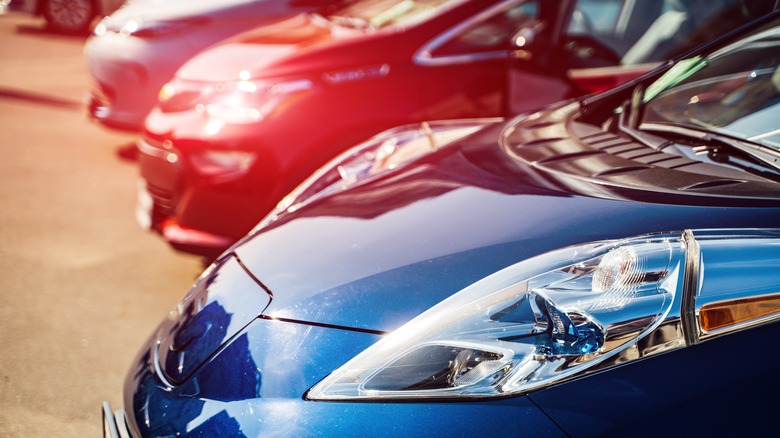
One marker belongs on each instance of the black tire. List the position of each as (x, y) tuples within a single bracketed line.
[(69, 16)]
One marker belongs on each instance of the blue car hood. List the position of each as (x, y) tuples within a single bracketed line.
[(379, 254)]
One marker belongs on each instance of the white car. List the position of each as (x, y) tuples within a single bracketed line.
[(136, 50), (68, 16)]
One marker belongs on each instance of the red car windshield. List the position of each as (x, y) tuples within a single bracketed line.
[(377, 14)]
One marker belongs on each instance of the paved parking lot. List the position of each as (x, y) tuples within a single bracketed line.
[(81, 285)]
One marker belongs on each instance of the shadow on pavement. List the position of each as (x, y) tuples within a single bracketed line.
[(42, 99), (128, 152), (44, 30)]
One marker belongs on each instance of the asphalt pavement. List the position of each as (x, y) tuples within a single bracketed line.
[(81, 285)]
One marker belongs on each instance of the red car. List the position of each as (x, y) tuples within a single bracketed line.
[(244, 122)]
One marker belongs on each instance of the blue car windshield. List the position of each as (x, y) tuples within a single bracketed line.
[(734, 91)]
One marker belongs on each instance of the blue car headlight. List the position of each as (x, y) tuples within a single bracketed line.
[(562, 315)]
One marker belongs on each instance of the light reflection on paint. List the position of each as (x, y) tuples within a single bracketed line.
[(213, 126)]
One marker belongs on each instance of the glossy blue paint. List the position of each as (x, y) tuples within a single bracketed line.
[(254, 387), (445, 224), (304, 295), (719, 388), (221, 303)]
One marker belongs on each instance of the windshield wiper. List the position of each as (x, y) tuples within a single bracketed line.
[(628, 117), (635, 107), (632, 112), (719, 147)]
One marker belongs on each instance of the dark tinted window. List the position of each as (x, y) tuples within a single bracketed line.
[(641, 31), (491, 34)]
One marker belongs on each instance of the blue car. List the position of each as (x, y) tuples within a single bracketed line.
[(608, 266)]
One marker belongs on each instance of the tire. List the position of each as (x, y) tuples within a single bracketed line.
[(69, 16)]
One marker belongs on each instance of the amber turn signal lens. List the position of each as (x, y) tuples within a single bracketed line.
[(727, 313)]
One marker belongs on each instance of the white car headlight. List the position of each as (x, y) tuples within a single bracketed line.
[(139, 27), (386, 151), (566, 313)]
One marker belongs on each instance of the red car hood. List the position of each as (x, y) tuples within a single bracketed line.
[(284, 48)]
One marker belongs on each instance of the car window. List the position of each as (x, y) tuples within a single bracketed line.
[(734, 91), (611, 32), (595, 16), (490, 33)]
